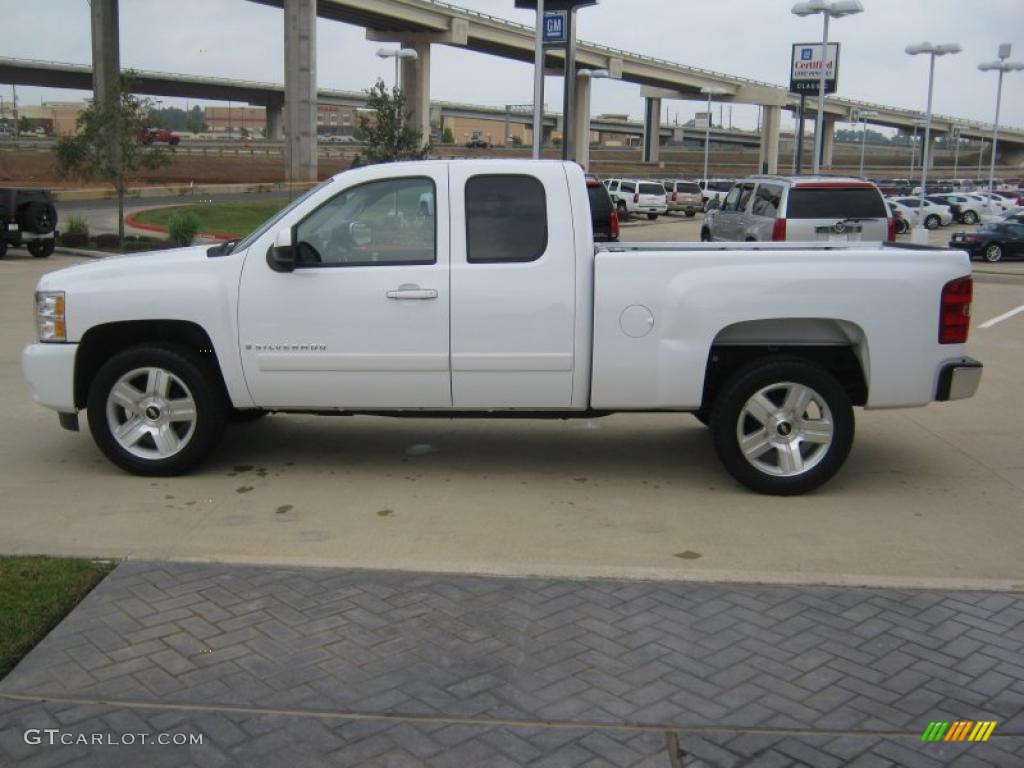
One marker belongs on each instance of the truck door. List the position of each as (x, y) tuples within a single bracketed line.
[(362, 321), (513, 288)]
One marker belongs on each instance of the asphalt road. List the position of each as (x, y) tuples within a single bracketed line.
[(928, 497)]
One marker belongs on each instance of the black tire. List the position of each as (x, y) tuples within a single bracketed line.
[(622, 210), (174, 142), (902, 226), (3, 249), (993, 253), (705, 235), (38, 218), (703, 415), (932, 221), (772, 377), (970, 217), (690, 214), (210, 408), (652, 216), (41, 248)]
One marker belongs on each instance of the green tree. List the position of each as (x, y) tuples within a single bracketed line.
[(25, 125), (107, 145), (448, 137), (389, 132)]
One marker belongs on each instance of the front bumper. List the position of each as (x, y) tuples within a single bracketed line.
[(958, 379), (50, 371)]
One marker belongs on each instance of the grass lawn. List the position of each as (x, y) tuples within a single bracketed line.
[(233, 218), (35, 594)]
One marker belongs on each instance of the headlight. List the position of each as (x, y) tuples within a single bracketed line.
[(50, 316)]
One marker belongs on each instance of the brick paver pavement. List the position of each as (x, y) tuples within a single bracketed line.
[(279, 666)]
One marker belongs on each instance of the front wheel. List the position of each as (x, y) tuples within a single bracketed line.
[(931, 221), (41, 248), (782, 426), (902, 226), (690, 214), (156, 410), (705, 236), (994, 253)]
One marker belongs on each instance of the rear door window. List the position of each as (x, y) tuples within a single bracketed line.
[(506, 219), (652, 189), (835, 203), (689, 189)]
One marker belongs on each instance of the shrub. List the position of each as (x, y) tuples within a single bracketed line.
[(448, 137), (107, 240), (182, 227), (75, 232)]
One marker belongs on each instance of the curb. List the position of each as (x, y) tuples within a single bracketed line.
[(180, 190), (85, 252), (130, 221)]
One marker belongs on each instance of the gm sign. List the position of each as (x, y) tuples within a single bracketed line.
[(805, 72), (556, 25)]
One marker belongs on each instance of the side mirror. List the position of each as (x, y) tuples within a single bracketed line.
[(281, 256), (360, 233)]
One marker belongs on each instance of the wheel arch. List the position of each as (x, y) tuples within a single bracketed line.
[(838, 346), (101, 342)]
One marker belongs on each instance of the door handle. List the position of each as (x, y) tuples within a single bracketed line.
[(412, 291)]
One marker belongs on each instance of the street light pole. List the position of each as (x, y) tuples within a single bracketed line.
[(838, 9), (1002, 65), (398, 54), (932, 51), (955, 133), (710, 91), (538, 84), (864, 115)]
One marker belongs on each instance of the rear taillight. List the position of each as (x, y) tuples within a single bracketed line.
[(613, 225), (891, 232), (779, 229), (955, 313), (674, 196), (636, 198)]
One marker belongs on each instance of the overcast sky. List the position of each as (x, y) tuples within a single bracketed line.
[(749, 38)]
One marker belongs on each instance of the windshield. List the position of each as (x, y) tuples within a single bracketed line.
[(257, 233)]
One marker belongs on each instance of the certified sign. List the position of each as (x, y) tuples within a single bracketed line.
[(556, 25), (805, 72)]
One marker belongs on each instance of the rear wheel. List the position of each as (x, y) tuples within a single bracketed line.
[(652, 216), (902, 226), (931, 221), (993, 253), (970, 217), (690, 214), (623, 211), (155, 410), (705, 236), (782, 426), (41, 248)]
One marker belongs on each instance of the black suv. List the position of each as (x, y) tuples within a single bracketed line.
[(602, 212), (27, 217)]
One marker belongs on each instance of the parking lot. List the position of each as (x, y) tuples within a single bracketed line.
[(928, 497)]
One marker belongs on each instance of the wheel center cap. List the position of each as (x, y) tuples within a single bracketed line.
[(152, 412), (785, 429)]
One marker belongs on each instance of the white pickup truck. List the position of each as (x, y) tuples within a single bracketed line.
[(474, 288)]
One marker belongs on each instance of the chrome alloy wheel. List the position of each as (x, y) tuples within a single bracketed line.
[(785, 429), (151, 413)]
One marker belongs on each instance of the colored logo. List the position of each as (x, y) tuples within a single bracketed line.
[(806, 54), (959, 730)]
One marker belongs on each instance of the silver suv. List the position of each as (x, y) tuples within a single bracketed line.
[(800, 208)]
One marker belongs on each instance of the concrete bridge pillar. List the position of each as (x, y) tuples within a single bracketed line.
[(581, 122), (652, 129), (300, 88), (770, 122), (828, 140), (275, 121), (416, 86)]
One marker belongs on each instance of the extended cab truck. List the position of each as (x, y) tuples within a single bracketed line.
[(494, 301)]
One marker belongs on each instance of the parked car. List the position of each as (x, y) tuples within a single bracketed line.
[(714, 189), (761, 208), (932, 215), (478, 142), (603, 216), (498, 304), (893, 187), (992, 242), (27, 217), (965, 210), (633, 196), (993, 206), (159, 136), (685, 196)]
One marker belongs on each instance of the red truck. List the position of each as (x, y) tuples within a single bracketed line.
[(158, 136)]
